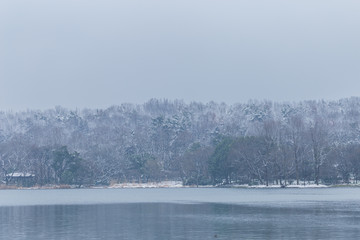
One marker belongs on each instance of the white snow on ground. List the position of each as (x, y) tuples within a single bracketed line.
[(307, 186), (178, 184), (279, 186), (164, 184)]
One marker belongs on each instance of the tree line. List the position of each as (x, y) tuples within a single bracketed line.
[(258, 142)]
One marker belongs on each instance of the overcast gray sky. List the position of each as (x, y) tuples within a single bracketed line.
[(98, 53)]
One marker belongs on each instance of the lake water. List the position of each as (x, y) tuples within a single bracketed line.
[(185, 213)]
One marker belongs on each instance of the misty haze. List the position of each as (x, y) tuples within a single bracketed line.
[(200, 119)]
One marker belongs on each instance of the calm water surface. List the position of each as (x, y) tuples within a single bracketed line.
[(180, 214)]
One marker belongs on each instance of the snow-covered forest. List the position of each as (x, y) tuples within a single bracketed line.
[(258, 142)]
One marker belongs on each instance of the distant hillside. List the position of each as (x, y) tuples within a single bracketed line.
[(253, 142)]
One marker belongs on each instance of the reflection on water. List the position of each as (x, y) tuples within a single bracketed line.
[(180, 214), (179, 221)]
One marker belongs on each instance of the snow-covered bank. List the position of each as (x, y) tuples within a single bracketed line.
[(164, 184), (281, 186), (176, 184)]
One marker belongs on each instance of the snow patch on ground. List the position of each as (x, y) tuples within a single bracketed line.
[(279, 186), (164, 184)]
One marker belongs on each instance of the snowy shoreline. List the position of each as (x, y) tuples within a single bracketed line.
[(174, 184)]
